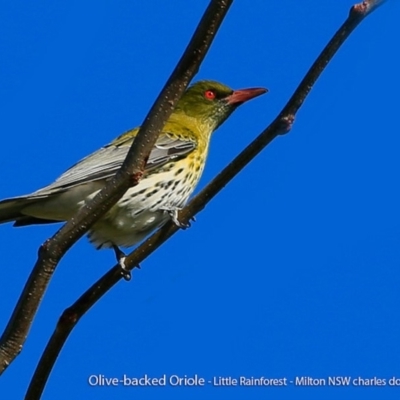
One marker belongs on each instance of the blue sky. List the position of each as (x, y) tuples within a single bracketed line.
[(293, 270)]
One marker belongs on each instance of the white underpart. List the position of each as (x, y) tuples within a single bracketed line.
[(135, 216)]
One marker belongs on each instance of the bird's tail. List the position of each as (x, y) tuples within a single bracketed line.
[(12, 210)]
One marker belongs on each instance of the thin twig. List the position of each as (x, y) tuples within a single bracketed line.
[(129, 175), (281, 125)]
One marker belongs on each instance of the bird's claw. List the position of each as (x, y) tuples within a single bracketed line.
[(173, 214), (121, 257), (125, 273), (182, 225)]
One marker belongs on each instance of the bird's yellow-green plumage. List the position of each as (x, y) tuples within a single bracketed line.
[(171, 174)]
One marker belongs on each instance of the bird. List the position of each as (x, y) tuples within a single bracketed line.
[(171, 174)]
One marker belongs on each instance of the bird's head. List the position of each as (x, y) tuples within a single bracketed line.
[(211, 102)]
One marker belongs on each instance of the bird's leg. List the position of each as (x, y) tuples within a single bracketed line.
[(121, 256), (173, 214)]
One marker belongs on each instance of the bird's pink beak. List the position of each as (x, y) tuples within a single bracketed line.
[(242, 95)]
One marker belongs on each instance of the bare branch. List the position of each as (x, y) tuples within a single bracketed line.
[(129, 175), (281, 125)]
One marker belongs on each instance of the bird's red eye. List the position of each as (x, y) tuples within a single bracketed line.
[(209, 94)]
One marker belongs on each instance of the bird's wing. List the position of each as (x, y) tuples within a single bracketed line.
[(105, 162)]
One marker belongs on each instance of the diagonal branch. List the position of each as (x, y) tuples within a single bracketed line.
[(129, 175), (281, 125)]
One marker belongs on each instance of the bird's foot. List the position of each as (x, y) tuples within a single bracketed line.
[(173, 214), (121, 256)]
